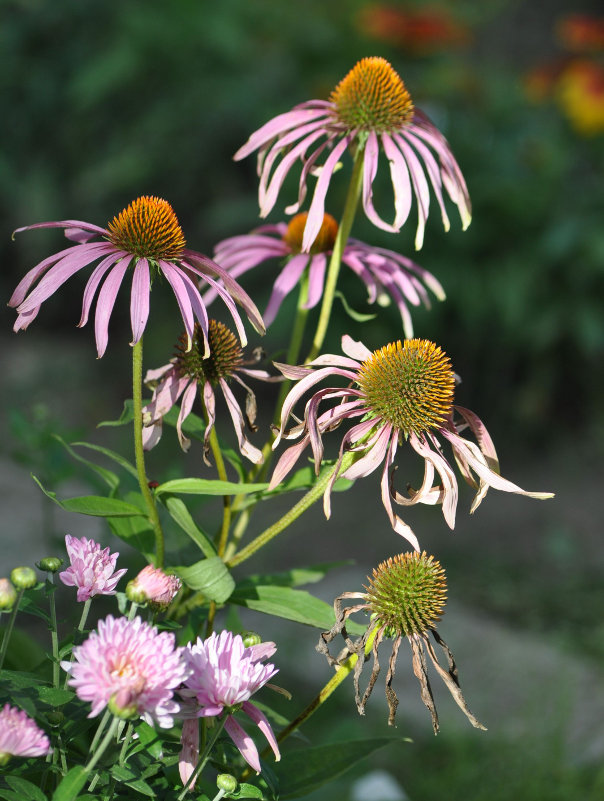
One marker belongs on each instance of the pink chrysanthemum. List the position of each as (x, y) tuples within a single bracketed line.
[(92, 569), (387, 275), (404, 390), (370, 109), (224, 675), (131, 665), (153, 586), (20, 736), (146, 237), (190, 371)]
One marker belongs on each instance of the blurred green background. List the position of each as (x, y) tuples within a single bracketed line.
[(104, 101)]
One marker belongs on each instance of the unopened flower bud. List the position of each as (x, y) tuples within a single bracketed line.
[(23, 577), (8, 595), (153, 586), (250, 638), (50, 564), (226, 782), (123, 704)]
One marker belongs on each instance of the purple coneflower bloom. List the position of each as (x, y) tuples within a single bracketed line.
[(224, 674), (20, 735), (402, 391), (154, 587), (370, 109), (147, 237), (92, 569), (189, 371), (131, 666), (387, 275)]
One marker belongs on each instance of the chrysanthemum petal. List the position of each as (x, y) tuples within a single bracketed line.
[(244, 743), (260, 719), (189, 753)]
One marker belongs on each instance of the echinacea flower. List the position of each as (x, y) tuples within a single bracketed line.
[(20, 735), (130, 666), (154, 587), (403, 391), (92, 568), (406, 597), (386, 274), (369, 109), (191, 370), (147, 238), (224, 674)]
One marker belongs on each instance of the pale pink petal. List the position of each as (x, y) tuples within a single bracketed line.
[(355, 349), (32, 276), (245, 446), (105, 304), (396, 522), (175, 279), (279, 124), (94, 281), (399, 175), (189, 754), (286, 462), (244, 743), (186, 406), (370, 167), (139, 299), (316, 280), (285, 282), (377, 447), (449, 482), (420, 187), (483, 437), (316, 212), (261, 721)]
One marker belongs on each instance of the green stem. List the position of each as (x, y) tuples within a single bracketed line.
[(99, 731), (54, 635), (9, 628), (78, 631), (350, 207), (226, 501), (294, 513), (126, 743), (139, 455), (204, 756), (103, 746)]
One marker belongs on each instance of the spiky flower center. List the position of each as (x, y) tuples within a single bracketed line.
[(324, 240), (149, 229), (225, 356), (409, 384), (407, 593), (372, 97)]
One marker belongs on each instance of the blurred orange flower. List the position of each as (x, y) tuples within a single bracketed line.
[(419, 32), (580, 94), (581, 33)]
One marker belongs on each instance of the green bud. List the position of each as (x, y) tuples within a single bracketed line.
[(250, 638), (50, 564), (55, 717), (123, 705), (8, 595), (4, 758), (23, 577), (226, 782), (135, 593)]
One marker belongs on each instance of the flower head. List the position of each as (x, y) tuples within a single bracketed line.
[(403, 391), (92, 568), (191, 370), (130, 665), (224, 674), (406, 597), (20, 736), (386, 275), (153, 586), (147, 240), (580, 94), (370, 109), (8, 595)]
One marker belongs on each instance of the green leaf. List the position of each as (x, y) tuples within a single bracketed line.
[(304, 770), (127, 416), (359, 317), (296, 576), (124, 774), (25, 789), (297, 605), (209, 576), (181, 515), (72, 783), (113, 455), (54, 696), (94, 505), (148, 740), (108, 476), (245, 790), (305, 478), (203, 486), (137, 532)]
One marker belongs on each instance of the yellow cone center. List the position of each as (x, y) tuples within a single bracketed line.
[(149, 229), (324, 241), (372, 97), (409, 384)]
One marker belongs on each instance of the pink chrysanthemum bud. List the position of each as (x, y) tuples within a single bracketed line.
[(92, 569), (130, 666), (153, 586), (8, 595), (20, 736)]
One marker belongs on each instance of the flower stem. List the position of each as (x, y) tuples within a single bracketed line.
[(99, 731), (204, 756), (350, 207), (10, 625), (126, 743), (98, 753), (222, 475), (139, 455), (288, 518), (79, 631), (54, 635)]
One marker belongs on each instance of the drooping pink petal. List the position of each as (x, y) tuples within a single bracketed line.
[(396, 522), (282, 122), (245, 446), (420, 188), (244, 743), (93, 282), (189, 753), (105, 303), (316, 280), (186, 405), (175, 279), (355, 349), (316, 212), (139, 299), (285, 282), (32, 276), (449, 482), (261, 721), (399, 175)]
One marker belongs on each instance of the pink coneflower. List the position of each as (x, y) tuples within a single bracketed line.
[(92, 569), (370, 109), (20, 736), (146, 237), (224, 675), (130, 666), (387, 275), (189, 371), (154, 587), (402, 391)]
